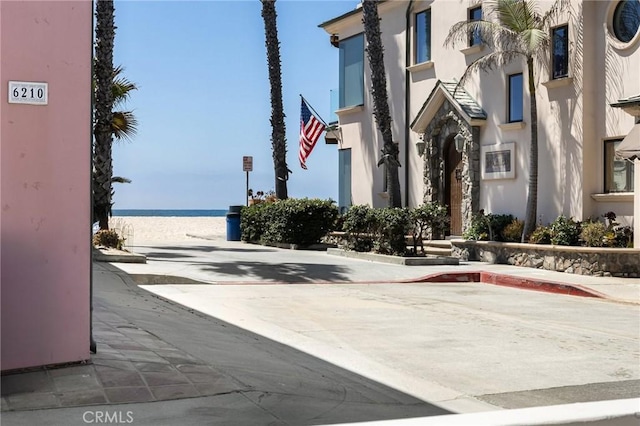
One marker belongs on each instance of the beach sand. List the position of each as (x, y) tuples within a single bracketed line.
[(147, 230)]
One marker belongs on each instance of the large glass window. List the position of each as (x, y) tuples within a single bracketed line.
[(560, 59), (351, 79), (618, 173), (626, 20), (423, 36), (515, 97), (475, 14)]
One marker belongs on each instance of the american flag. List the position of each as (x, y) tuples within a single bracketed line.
[(310, 130)]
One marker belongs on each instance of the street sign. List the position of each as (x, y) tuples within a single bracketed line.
[(247, 164), (26, 92)]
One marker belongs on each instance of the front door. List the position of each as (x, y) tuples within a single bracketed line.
[(453, 188)]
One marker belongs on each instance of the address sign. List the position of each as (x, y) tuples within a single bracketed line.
[(26, 92)]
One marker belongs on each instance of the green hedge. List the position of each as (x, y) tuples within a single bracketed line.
[(293, 221), (385, 230)]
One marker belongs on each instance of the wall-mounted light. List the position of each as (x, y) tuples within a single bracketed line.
[(459, 141), (335, 40), (420, 146)]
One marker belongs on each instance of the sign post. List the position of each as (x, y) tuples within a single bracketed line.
[(247, 166)]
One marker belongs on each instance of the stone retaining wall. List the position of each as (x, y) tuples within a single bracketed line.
[(606, 262)]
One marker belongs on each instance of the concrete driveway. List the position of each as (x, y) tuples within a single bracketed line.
[(464, 346)]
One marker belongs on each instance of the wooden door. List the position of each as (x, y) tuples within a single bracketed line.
[(453, 188)]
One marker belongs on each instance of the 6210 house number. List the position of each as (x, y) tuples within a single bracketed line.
[(25, 92)]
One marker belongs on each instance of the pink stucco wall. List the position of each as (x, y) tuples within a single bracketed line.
[(45, 186)]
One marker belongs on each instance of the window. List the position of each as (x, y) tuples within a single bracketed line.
[(626, 20), (560, 52), (351, 79), (618, 174), (423, 36), (515, 98), (475, 14)]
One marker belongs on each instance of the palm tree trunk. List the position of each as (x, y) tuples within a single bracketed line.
[(375, 52), (532, 197), (102, 160), (278, 132)]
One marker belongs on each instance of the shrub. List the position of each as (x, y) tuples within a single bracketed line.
[(541, 235), (564, 231), (294, 221), (593, 234), (513, 231), (498, 223), (427, 217), (487, 227), (479, 227), (108, 238), (359, 222), (391, 226), (617, 235), (253, 222)]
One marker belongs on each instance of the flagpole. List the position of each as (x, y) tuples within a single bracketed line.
[(314, 111)]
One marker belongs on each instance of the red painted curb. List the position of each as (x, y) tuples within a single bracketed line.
[(509, 281), (459, 277)]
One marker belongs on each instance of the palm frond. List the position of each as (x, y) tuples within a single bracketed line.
[(120, 179), (534, 40), (557, 9), (122, 86), (124, 125), (489, 32), (491, 61)]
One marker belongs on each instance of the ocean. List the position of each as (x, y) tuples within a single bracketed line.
[(169, 213)]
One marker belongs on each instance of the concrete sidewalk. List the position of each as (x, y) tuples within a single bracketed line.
[(219, 261), (162, 363)]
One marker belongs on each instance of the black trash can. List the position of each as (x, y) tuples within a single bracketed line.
[(233, 223)]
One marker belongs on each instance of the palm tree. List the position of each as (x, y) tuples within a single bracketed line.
[(390, 151), (517, 32), (278, 130), (103, 110), (124, 124)]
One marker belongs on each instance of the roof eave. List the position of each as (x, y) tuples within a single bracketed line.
[(433, 103)]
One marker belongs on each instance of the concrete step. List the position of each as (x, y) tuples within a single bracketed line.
[(438, 243), (436, 251)]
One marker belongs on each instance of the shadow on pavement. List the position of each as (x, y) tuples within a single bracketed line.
[(289, 386), (280, 272)]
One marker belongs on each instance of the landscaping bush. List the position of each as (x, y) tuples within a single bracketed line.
[(253, 221), (108, 238), (391, 225), (292, 221), (541, 235), (498, 223), (359, 222), (487, 226), (427, 217), (478, 229), (593, 234), (513, 231), (617, 235), (564, 231)]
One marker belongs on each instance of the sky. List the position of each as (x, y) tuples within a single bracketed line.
[(203, 100)]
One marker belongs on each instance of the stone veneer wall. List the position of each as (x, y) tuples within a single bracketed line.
[(617, 262), (446, 123)]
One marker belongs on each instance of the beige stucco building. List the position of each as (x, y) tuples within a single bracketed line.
[(594, 62)]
